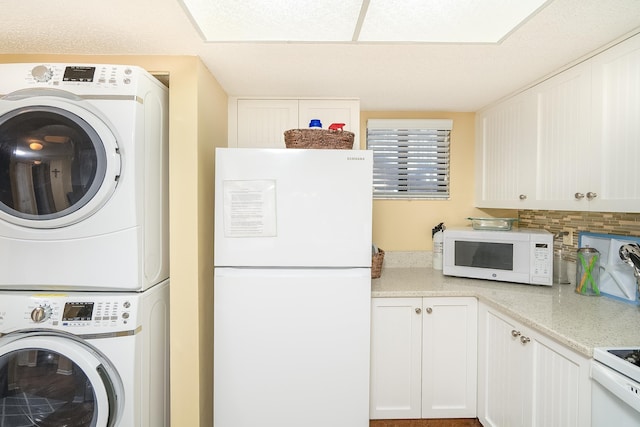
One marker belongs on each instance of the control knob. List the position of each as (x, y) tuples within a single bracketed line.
[(41, 313), (41, 73)]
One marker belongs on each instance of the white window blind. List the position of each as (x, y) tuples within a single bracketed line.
[(410, 158)]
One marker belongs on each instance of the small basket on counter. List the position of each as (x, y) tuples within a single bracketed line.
[(376, 263), (319, 138)]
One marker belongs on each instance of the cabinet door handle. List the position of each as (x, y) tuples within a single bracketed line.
[(515, 333), (523, 197), (524, 339), (429, 310), (579, 196), (418, 310), (591, 195)]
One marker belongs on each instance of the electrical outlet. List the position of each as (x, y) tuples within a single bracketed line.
[(567, 239)]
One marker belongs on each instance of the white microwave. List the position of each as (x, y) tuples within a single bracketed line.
[(518, 255)]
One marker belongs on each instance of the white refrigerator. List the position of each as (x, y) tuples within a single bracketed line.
[(292, 287)]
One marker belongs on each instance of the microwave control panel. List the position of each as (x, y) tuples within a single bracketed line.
[(541, 259)]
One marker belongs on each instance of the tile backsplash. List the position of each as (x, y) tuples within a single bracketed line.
[(625, 224)]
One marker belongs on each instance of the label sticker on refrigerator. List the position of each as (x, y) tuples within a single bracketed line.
[(249, 208)]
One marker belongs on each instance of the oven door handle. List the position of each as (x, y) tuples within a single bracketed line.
[(622, 387)]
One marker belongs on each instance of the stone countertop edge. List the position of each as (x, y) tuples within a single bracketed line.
[(576, 321)]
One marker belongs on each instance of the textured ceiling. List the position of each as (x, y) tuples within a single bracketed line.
[(445, 77)]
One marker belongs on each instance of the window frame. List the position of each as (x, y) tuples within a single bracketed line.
[(413, 152)]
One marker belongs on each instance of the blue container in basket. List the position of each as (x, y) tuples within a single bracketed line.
[(315, 124)]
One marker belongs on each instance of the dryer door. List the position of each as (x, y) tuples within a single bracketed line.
[(59, 160), (56, 380)]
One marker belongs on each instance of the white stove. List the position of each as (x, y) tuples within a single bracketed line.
[(616, 387), (624, 360)]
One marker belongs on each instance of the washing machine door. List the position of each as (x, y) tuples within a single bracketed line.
[(55, 380), (59, 159)]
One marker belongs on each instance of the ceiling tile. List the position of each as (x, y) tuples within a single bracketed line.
[(275, 20), (445, 21)]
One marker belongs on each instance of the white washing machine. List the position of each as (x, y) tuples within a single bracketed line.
[(83, 177), (84, 359)]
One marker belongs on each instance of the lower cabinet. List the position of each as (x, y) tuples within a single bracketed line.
[(527, 379), (423, 357)]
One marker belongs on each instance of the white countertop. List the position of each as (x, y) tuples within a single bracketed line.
[(579, 322)]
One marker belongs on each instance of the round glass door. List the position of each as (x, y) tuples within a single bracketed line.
[(54, 382), (53, 164)]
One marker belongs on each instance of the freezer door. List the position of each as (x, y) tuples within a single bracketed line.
[(293, 207), (291, 347)]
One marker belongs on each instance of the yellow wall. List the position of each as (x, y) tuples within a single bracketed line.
[(405, 225), (197, 123), (212, 132)]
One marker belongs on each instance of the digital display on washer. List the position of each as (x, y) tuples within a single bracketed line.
[(78, 74), (76, 311)]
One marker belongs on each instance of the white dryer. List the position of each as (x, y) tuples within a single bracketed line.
[(84, 359), (83, 177)]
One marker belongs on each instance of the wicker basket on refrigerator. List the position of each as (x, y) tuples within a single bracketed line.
[(318, 138)]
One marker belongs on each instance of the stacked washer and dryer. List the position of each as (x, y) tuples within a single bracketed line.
[(84, 254)]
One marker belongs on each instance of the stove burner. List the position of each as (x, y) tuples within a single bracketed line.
[(631, 356)]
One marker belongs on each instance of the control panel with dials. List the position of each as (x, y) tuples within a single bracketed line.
[(99, 76), (77, 314)]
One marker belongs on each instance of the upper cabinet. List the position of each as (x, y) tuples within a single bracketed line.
[(616, 127), (568, 143), (564, 150), (505, 151), (261, 122)]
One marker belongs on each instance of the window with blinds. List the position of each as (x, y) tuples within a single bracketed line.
[(410, 158)]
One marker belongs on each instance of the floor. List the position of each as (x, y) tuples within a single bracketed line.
[(451, 422)]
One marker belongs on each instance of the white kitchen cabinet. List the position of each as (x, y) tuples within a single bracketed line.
[(449, 357), (533, 150), (568, 143), (423, 358), (565, 155), (503, 372), (527, 379), (506, 155), (261, 122), (396, 352), (616, 128)]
